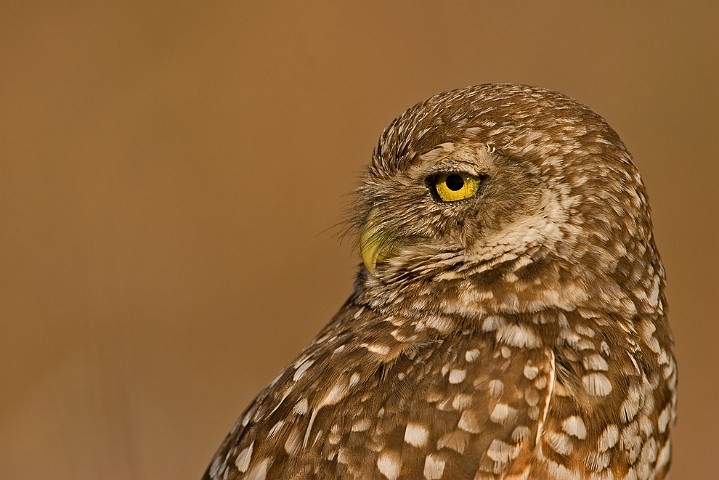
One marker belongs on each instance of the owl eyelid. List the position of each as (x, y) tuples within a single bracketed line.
[(430, 179), (460, 168)]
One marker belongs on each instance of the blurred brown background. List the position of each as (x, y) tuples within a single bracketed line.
[(170, 174)]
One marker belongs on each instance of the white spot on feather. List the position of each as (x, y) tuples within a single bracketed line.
[(496, 387), (361, 425), (242, 462), (416, 434), (630, 406), (293, 442), (501, 412), (595, 361), (389, 464), (456, 440), (377, 348), (470, 422), (575, 427), (520, 434), (300, 407), (597, 384), (313, 416), (609, 438), (501, 452), (559, 442), (517, 335), (302, 369), (654, 292), (433, 467), (338, 391), (471, 355), (457, 375), (275, 429), (560, 472), (462, 401), (664, 455), (531, 372), (663, 420), (258, 471)]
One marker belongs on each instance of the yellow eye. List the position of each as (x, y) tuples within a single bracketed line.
[(451, 187)]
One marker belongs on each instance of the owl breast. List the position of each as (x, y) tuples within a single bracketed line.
[(508, 396)]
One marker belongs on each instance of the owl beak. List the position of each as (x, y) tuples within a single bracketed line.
[(371, 241)]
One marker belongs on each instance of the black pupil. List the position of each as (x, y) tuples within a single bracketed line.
[(454, 182)]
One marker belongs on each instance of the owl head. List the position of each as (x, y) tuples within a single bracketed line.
[(508, 198)]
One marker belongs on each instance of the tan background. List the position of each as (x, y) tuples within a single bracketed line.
[(170, 173)]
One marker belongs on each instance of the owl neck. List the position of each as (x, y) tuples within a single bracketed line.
[(521, 285)]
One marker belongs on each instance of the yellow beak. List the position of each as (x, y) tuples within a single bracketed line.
[(370, 242)]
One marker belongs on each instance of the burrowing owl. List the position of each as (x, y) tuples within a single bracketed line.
[(509, 319)]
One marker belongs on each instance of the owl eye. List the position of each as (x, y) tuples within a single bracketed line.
[(451, 187)]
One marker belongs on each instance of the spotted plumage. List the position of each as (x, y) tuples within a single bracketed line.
[(513, 330)]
